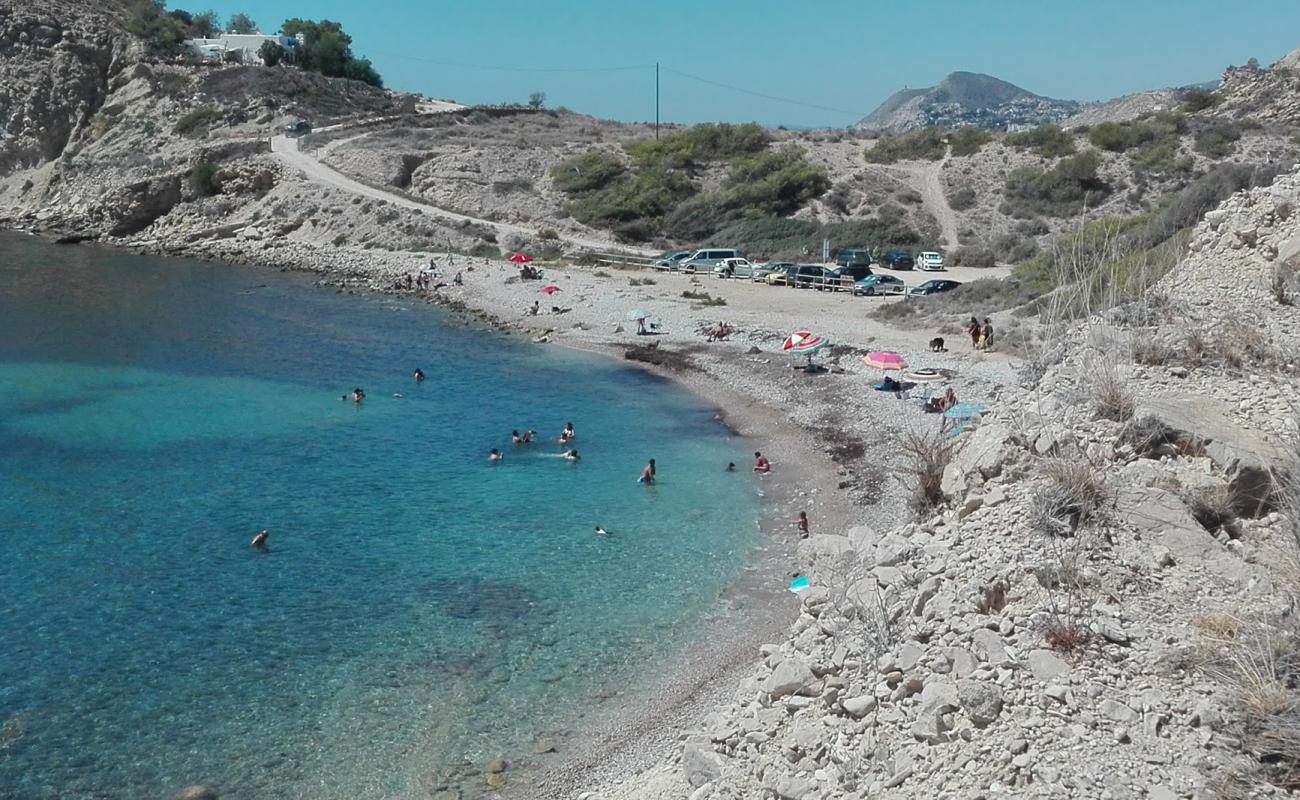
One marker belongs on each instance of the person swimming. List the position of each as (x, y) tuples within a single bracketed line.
[(761, 465), (601, 531), (572, 455), (358, 394), (568, 434), (731, 466), (419, 375), (647, 474), (495, 455), (516, 437), (529, 436), (259, 541)]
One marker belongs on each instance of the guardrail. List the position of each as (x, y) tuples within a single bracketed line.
[(624, 260)]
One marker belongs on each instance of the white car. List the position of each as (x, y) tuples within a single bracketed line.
[(930, 262), (734, 268)]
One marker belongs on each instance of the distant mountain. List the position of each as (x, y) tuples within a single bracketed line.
[(967, 98)]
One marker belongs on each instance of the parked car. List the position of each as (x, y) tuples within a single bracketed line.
[(670, 261), (781, 277), (933, 287), (897, 259), (762, 271), (853, 257), (930, 261), (734, 268), (843, 277), (806, 276), (706, 260), (299, 128), (879, 284)]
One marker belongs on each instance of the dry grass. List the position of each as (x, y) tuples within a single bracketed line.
[(1112, 398), (928, 454), (1074, 495), (1218, 627), (1214, 508), (1066, 636)]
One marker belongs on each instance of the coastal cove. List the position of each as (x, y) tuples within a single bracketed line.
[(420, 612)]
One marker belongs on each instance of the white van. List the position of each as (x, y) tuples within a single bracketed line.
[(706, 260)]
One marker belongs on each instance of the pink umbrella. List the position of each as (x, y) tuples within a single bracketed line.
[(884, 360), (520, 258), (550, 289)]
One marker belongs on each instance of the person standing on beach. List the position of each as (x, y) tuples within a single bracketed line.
[(986, 334), (647, 474), (761, 465), (802, 524), (974, 332)]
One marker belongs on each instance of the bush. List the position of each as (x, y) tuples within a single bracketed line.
[(968, 140), (700, 144), (200, 118), (927, 144), (1160, 158), (1119, 137), (587, 172), (1073, 494), (1218, 140), (1049, 141), (203, 179), (962, 199), (271, 53), (161, 32), (978, 257), (1013, 248), (1063, 190), (928, 455), (773, 182), (328, 51), (1195, 100)]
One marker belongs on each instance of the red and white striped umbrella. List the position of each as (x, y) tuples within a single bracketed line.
[(883, 359), (804, 343)]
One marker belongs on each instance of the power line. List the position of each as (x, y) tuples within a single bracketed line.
[(500, 68), (778, 99)]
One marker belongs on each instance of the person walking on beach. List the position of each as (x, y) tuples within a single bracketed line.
[(986, 334), (761, 465), (974, 332), (647, 474), (259, 541), (802, 524)]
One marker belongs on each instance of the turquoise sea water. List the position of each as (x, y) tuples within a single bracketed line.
[(419, 609)]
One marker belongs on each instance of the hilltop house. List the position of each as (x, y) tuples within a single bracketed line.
[(242, 47)]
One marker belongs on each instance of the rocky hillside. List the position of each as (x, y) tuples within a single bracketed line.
[(966, 98), (1270, 94)]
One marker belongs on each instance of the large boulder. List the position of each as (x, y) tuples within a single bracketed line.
[(979, 457), (1162, 519), (789, 677), (1200, 424)]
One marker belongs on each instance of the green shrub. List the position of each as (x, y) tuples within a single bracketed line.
[(203, 179), (1048, 141), (587, 172), (1161, 158), (1013, 248), (1114, 136), (1195, 100), (197, 120), (148, 19), (1119, 137), (1184, 208), (1063, 190), (773, 182), (927, 144), (271, 53), (700, 144), (1218, 140), (962, 199), (980, 257), (968, 140)]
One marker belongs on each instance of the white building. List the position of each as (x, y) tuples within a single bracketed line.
[(246, 45)]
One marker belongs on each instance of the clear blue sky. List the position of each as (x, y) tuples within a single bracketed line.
[(839, 54)]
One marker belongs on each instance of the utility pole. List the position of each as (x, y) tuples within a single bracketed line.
[(656, 100)]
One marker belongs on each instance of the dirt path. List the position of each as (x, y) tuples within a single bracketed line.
[(924, 177), (286, 150)]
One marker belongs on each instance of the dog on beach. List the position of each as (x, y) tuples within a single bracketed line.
[(936, 345)]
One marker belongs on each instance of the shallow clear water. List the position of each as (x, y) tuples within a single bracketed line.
[(418, 610)]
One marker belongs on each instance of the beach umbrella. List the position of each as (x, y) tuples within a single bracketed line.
[(550, 289), (965, 411), (520, 258), (884, 360), (803, 343), (799, 584), (638, 314)]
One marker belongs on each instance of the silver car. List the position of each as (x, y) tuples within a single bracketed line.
[(705, 260)]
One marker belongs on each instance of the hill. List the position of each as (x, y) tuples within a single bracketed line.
[(967, 98)]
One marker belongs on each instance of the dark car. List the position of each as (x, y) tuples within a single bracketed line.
[(805, 275), (843, 277), (897, 259), (933, 287), (853, 257), (299, 128)]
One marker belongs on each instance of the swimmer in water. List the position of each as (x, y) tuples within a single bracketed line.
[(259, 541), (731, 466), (572, 455), (516, 438), (358, 394), (601, 531), (529, 436), (495, 455), (647, 474), (419, 375), (568, 434)]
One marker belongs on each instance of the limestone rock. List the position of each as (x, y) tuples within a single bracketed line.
[(789, 677), (981, 701)]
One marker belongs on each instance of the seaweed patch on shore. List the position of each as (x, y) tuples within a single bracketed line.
[(674, 360)]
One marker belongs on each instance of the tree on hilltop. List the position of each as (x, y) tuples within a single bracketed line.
[(241, 23), (327, 49)]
